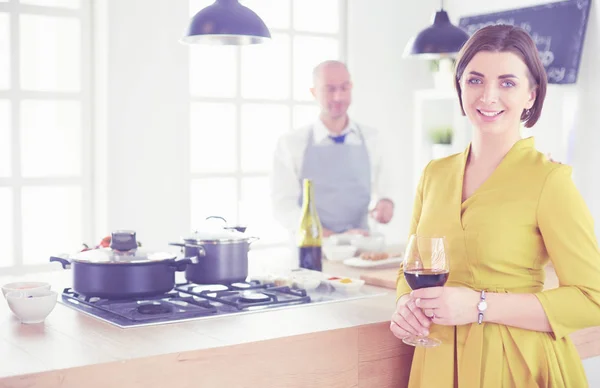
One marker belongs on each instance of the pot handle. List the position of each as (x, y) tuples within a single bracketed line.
[(66, 264), (250, 241), (201, 251), (217, 217), (181, 264)]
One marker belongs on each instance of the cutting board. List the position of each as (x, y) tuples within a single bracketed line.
[(387, 278)]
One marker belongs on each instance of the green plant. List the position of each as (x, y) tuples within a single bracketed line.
[(442, 135), (434, 64)]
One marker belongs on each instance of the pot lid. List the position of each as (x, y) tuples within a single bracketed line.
[(214, 229), (216, 236), (123, 249)]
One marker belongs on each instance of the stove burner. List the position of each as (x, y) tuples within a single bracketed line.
[(241, 296), (210, 287), (154, 309), (186, 302), (241, 286), (254, 297)]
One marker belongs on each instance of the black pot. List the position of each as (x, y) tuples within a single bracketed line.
[(117, 274), (223, 261), (124, 281)]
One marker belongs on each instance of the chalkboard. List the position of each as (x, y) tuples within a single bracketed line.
[(558, 30)]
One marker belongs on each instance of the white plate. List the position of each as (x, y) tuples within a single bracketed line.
[(361, 263)]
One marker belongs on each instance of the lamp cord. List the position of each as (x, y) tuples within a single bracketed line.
[(442, 1)]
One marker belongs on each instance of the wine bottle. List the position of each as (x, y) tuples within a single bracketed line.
[(310, 232)]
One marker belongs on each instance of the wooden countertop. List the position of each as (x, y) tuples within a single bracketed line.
[(70, 339), (343, 344)]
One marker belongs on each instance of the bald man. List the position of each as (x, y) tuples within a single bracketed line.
[(344, 160)]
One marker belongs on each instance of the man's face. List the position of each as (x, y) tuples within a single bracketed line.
[(333, 91)]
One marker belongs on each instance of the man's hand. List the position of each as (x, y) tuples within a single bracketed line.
[(383, 211)]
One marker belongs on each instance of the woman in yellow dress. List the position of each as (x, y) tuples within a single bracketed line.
[(506, 211)]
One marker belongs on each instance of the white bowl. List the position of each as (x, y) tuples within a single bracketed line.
[(339, 252), (32, 305), (372, 243), (351, 287), (308, 280), (340, 238), (23, 286)]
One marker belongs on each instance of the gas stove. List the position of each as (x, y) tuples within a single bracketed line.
[(188, 301)]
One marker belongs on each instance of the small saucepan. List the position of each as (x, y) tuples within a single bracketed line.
[(222, 256)]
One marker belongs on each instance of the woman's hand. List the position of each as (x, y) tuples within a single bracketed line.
[(449, 306), (408, 319)]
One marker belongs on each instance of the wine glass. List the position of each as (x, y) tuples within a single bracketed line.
[(425, 265)]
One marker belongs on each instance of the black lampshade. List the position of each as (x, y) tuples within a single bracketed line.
[(226, 22), (439, 40)]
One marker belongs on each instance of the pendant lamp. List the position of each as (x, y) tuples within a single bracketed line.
[(226, 22), (441, 39)]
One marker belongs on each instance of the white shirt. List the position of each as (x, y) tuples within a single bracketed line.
[(289, 155)]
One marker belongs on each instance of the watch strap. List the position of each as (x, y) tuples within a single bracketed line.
[(481, 307)]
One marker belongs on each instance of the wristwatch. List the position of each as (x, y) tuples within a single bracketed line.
[(481, 307)]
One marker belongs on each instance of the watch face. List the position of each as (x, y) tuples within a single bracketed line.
[(482, 306)]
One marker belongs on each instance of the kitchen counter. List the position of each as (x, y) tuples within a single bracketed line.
[(342, 344), (337, 340)]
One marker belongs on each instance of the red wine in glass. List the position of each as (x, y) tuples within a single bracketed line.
[(422, 278), (425, 264)]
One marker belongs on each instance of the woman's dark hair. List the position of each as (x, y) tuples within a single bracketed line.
[(504, 38)]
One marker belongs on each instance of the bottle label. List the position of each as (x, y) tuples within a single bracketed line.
[(311, 258)]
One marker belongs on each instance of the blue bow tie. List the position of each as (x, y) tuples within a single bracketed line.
[(338, 139)]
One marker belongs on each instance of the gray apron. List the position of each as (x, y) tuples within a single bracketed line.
[(342, 183)]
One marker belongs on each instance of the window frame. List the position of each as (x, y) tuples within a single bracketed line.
[(15, 95), (290, 102)]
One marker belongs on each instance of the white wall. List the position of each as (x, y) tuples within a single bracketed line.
[(142, 122), (378, 31), (592, 370)]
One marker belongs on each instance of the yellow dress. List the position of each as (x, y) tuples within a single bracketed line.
[(500, 239)]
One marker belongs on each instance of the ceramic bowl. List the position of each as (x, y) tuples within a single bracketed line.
[(346, 285), (372, 243), (339, 239), (23, 286), (32, 305), (308, 280), (338, 252)]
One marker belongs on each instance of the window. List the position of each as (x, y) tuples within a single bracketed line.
[(243, 98), (44, 129)]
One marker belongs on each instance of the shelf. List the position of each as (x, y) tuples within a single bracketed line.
[(436, 108)]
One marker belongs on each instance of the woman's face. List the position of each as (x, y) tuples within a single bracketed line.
[(495, 91)]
